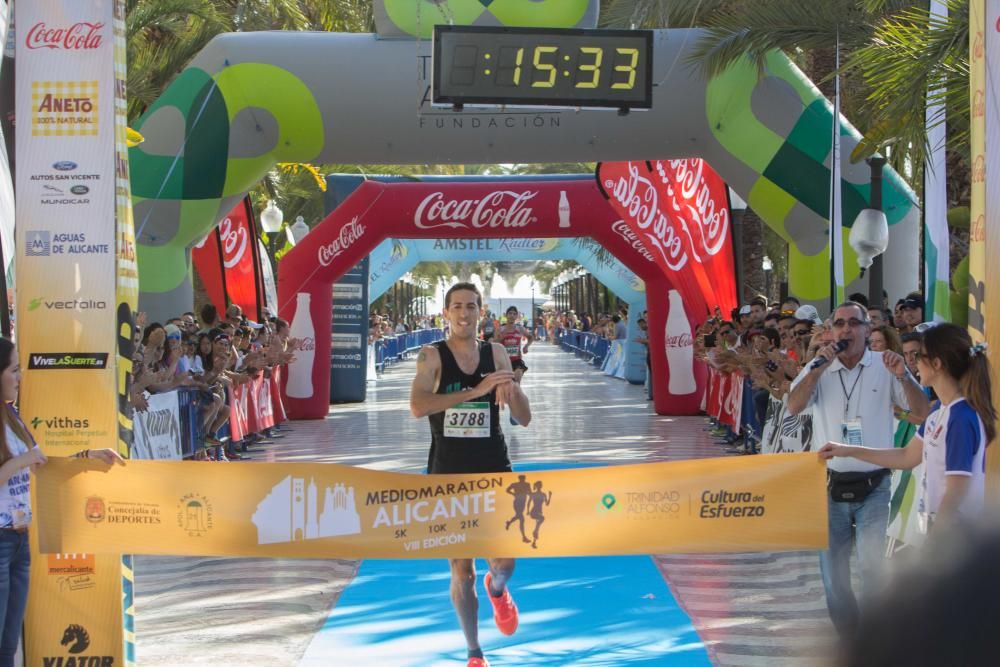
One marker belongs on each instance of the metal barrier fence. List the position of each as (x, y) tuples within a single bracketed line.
[(391, 349), (584, 344)]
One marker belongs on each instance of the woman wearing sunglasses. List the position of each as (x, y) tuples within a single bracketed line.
[(952, 441)]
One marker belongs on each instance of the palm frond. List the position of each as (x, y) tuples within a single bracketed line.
[(910, 53), (661, 13), (752, 31), (296, 167)]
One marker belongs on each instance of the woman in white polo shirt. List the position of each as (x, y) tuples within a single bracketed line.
[(952, 441), (19, 455)]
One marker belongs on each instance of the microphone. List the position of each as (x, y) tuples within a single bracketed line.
[(819, 361)]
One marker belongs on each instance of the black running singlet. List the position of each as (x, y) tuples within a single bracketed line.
[(467, 438)]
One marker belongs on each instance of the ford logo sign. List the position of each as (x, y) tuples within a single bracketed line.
[(79, 189), (64, 165)]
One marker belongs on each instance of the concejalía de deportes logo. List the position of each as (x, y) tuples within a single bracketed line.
[(723, 504)]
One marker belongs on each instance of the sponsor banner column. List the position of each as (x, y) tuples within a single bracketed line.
[(984, 239), (66, 200), (73, 223), (979, 139), (349, 335)]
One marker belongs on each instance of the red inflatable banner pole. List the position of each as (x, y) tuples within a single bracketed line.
[(630, 189), (228, 264), (699, 199)]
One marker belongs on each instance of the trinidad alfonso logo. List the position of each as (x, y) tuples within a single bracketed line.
[(292, 513)]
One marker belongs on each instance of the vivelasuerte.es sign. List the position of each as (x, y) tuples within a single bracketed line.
[(763, 503)]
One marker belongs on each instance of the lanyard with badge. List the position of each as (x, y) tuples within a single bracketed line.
[(851, 426)]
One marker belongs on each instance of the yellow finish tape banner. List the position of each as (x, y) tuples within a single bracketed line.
[(301, 510)]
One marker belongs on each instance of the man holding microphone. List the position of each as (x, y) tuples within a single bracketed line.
[(852, 391)]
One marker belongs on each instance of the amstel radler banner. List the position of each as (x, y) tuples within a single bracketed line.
[(77, 286), (298, 510)]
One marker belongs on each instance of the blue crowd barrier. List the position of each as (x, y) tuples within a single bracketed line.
[(394, 348), (190, 403), (584, 344)]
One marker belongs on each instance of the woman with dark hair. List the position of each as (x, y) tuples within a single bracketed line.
[(952, 441), (19, 455)]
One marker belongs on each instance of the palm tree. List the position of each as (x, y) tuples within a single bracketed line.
[(891, 57), (162, 36)]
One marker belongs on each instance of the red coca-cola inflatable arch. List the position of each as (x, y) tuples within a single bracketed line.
[(643, 239)]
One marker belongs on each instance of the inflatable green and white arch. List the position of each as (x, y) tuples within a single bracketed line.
[(250, 100)]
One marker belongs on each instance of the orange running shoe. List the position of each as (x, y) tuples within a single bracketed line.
[(504, 609), (478, 662)]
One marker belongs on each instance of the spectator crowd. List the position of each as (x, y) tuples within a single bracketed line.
[(211, 358), (768, 345)]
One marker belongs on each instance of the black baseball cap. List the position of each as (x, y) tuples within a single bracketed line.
[(914, 301)]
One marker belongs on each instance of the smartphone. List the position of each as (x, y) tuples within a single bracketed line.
[(710, 340)]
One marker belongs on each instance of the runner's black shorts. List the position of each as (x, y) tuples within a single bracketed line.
[(518, 363)]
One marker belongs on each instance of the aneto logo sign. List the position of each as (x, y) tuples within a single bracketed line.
[(62, 108)]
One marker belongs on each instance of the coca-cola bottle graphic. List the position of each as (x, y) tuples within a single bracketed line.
[(563, 209), (680, 348), (300, 384)]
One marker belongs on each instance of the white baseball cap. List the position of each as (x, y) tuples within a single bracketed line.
[(808, 313)]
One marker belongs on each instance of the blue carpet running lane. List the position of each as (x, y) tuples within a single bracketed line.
[(588, 612)]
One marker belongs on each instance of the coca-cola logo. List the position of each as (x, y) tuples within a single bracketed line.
[(638, 197), (682, 340), (82, 36), (349, 234), (504, 208), (711, 218), (307, 344), (621, 228), (234, 242)]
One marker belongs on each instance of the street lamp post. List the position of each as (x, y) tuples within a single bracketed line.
[(534, 328), (767, 266)]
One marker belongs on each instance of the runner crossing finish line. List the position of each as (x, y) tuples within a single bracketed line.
[(460, 385)]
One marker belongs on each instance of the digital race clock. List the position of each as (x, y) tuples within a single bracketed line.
[(543, 67)]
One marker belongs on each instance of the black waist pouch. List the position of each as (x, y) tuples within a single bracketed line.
[(853, 487)]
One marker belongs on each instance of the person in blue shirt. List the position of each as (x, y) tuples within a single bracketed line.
[(952, 440)]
